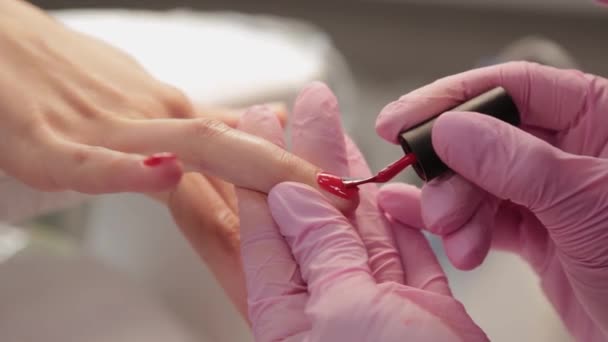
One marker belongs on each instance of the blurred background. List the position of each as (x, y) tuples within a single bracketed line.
[(115, 268)]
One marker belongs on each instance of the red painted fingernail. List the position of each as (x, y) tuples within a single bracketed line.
[(333, 184), (159, 158)]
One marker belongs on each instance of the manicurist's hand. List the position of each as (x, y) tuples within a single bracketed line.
[(538, 190), (314, 274)]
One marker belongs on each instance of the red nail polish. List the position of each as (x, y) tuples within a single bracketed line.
[(334, 185), (159, 158)]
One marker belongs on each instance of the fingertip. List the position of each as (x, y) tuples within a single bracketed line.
[(317, 133), (316, 102), (159, 172), (468, 247), (413, 108), (391, 120), (313, 89), (402, 202), (317, 137), (280, 110), (99, 170), (333, 188), (464, 251), (256, 116), (160, 159), (396, 191), (448, 203), (260, 120), (170, 175)]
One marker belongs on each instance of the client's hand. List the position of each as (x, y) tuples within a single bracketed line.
[(78, 114)]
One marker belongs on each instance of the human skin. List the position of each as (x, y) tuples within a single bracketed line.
[(78, 114)]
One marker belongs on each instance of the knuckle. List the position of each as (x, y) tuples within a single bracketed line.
[(57, 179), (33, 169), (226, 228), (90, 111), (208, 128), (524, 68), (82, 155), (290, 165), (592, 93), (177, 103), (535, 158), (35, 128)]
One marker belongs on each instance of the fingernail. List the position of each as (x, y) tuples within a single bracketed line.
[(334, 185), (159, 158)]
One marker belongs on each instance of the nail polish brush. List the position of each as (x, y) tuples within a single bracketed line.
[(417, 144)]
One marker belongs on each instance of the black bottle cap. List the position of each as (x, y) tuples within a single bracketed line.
[(417, 140)]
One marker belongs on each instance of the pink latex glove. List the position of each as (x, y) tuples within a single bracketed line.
[(539, 191), (315, 275)]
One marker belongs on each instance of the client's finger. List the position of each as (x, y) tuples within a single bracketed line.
[(212, 147), (212, 228), (94, 170), (231, 116)]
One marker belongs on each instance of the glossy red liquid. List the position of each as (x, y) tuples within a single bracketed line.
[(334, 185), (393, 169), (159, 158), (384, 175)]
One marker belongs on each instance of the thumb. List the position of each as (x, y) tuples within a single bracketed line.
[(566, 192), (323, 242), (514, 165)]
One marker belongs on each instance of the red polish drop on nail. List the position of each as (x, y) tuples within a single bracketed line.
[(159, 158), (334, 185)]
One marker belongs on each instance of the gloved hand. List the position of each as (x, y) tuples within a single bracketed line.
[(315, 275), (539, 191)]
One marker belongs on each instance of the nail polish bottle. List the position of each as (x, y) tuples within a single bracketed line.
[(418, 140)]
